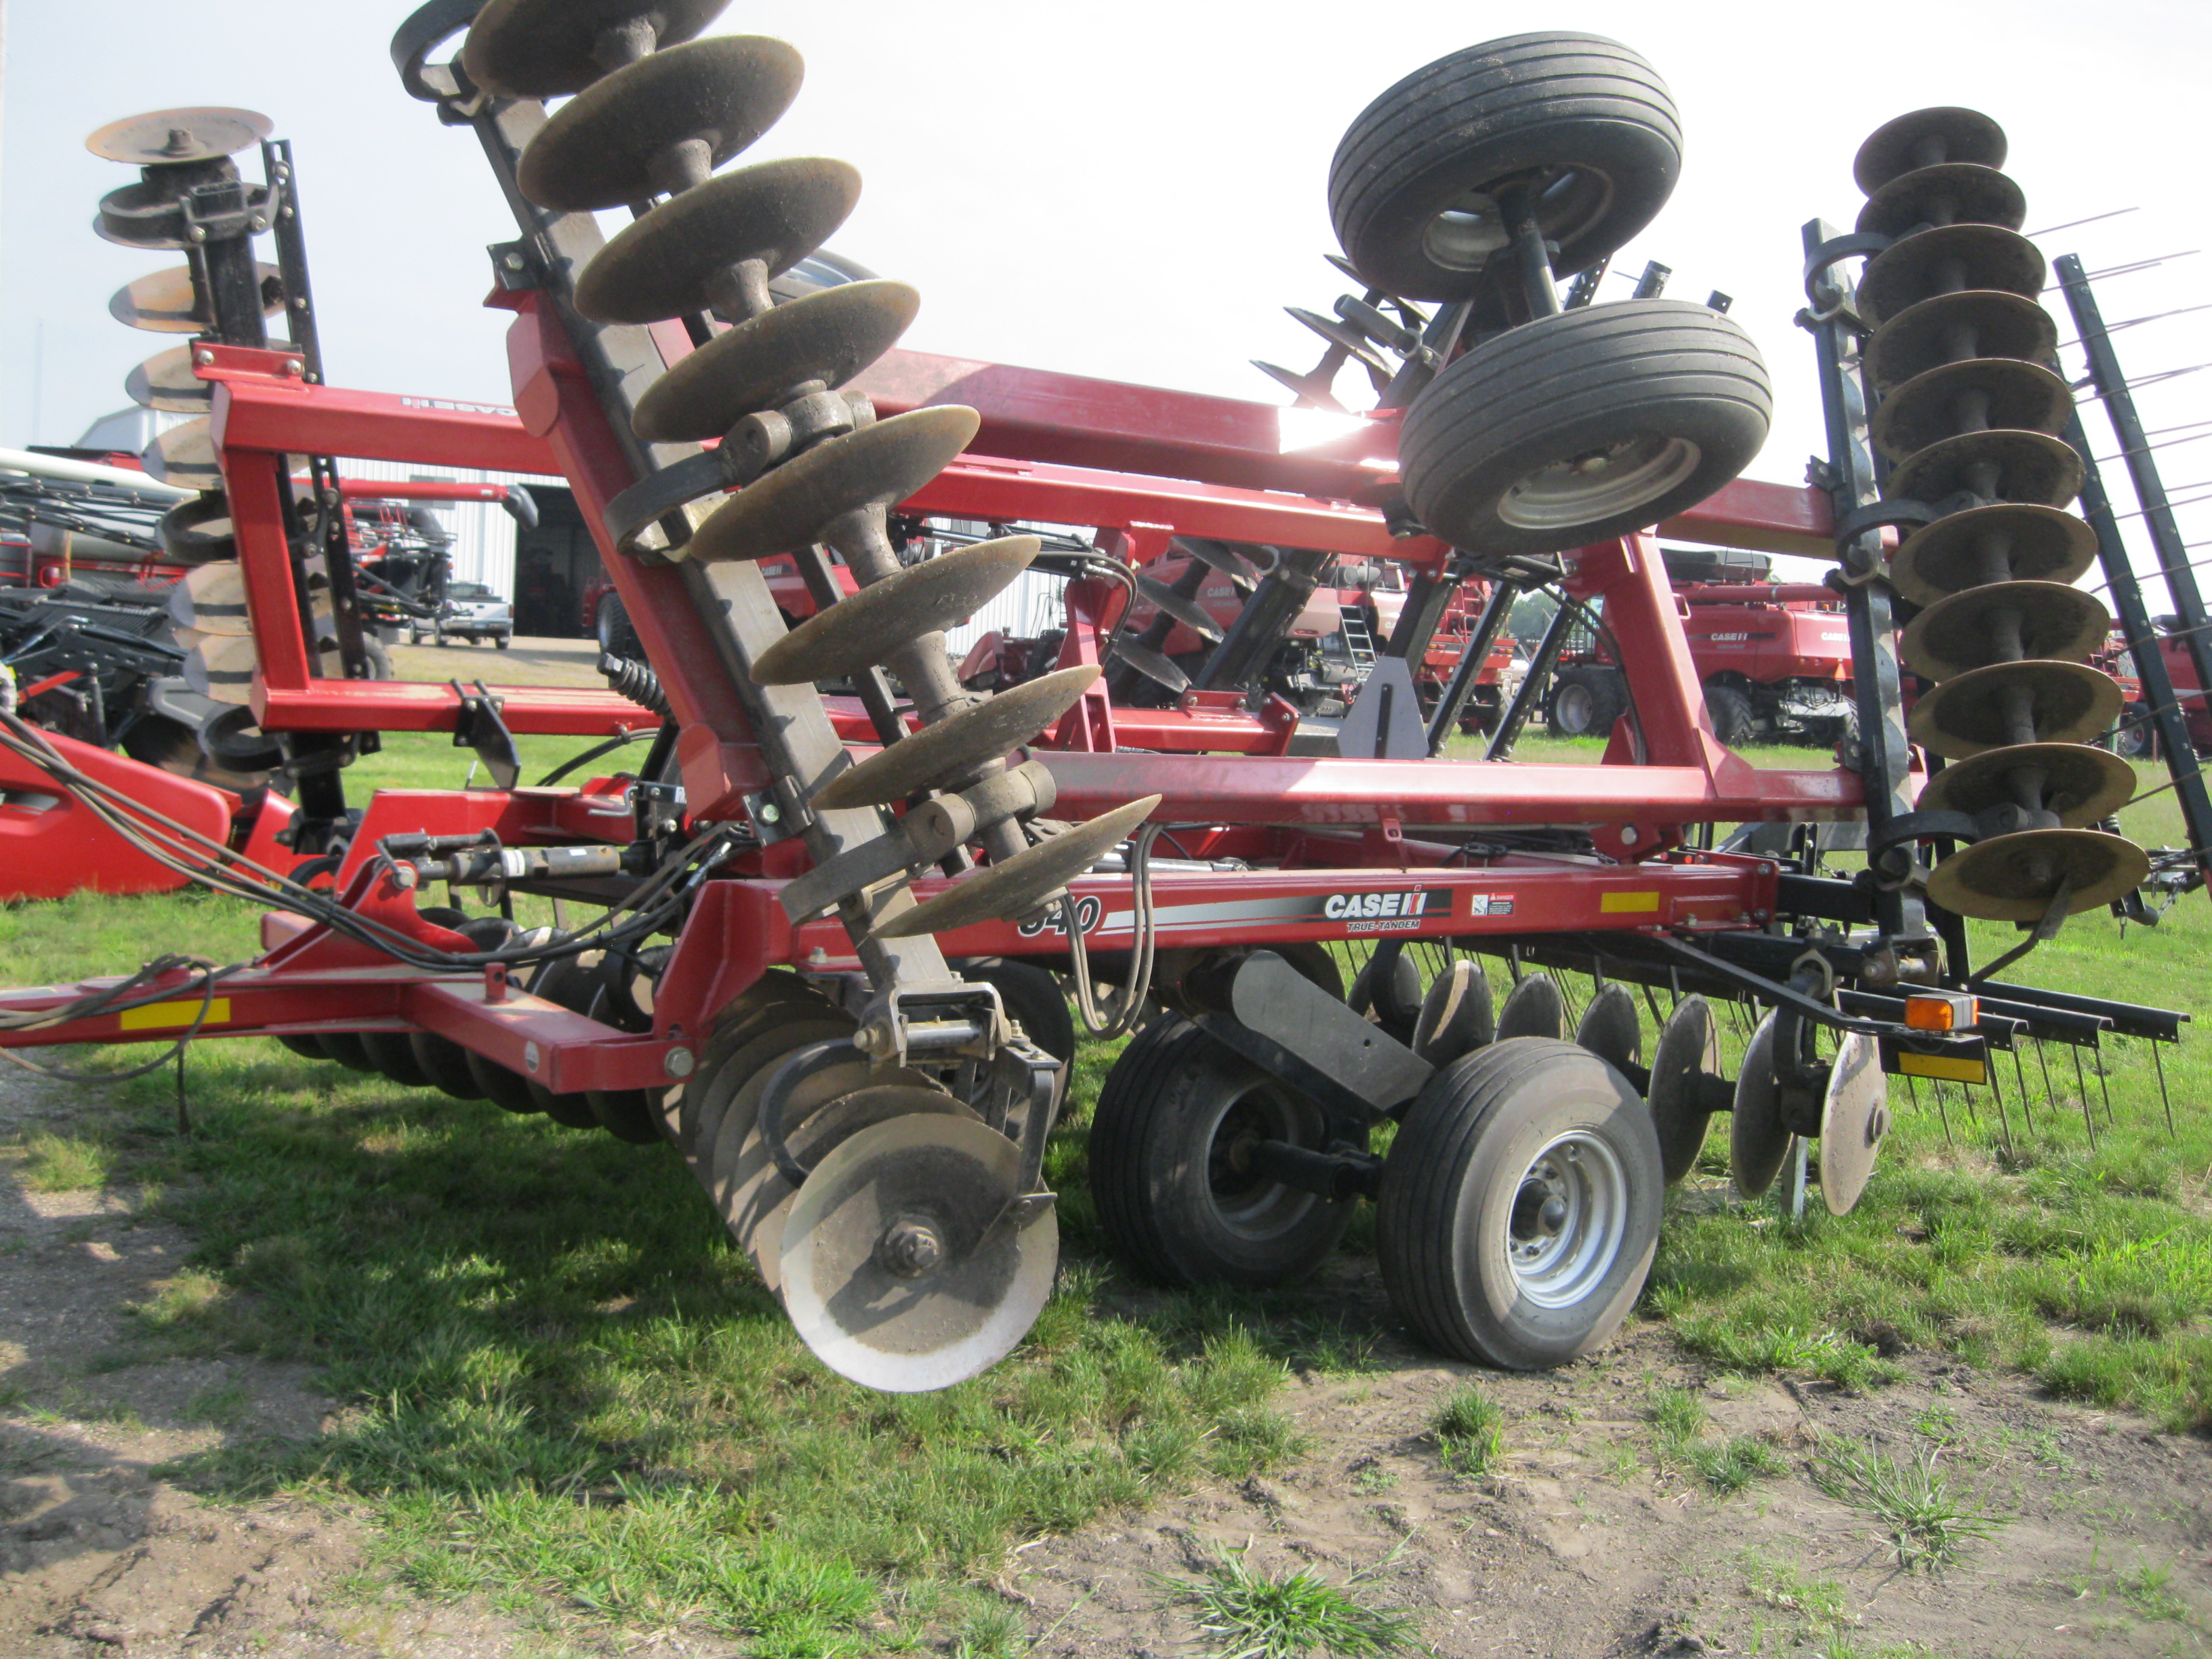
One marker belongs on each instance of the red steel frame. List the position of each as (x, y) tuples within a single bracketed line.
[(1140, 464)]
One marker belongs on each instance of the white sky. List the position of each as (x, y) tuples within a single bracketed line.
[(1133, 191)]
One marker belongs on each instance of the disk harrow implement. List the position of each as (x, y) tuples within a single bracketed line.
[(845, 893), (1963, 358), (655, 115)]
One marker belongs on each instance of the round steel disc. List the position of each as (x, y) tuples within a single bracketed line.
[(1687, 1055), (166, 382), (198, 530), (1001, 892), (747, 1071), (866, 630), (1533, 1008), (212, 600), (2056, 623), (1159, 670), (1395, 1001), (662, 265), (2012, 878), (813, 1126), (1924, 137), (952, 748), (164, 303), (2022, 398), (2039, 544), (185, 455), (740, 1174), (1946, 259), (141, 215), (1187, 611), (830, 335), (878, 465), (542, 48), (1854, 1117), (1217, 556), (1966, 715), (598, 151), (2032, 467), (1458, 1016), (775, 998), (167, 137), (2082, 784), (906, 1336), (1758, 1142), (1921, 337), (1952, 193), (220, 666), (1612, 1029)]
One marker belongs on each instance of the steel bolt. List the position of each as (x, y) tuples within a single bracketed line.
[(258, 223), (293, 368), (909, 1248), (404, 877), (204, 359), (196, 233), (678, 1062), (512, 262)]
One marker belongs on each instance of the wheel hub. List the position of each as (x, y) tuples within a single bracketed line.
[(1569, 1220), (1598, 483)]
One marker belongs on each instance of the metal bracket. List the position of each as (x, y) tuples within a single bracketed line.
[(477, 726), (516, 266)]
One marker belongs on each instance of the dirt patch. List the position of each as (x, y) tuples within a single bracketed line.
[(1583, 1540)]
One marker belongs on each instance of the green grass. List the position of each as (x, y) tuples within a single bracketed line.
[(1470, 1430), (1929, 1518), (1728, 1464), (65, 1163), (1244, 1614)]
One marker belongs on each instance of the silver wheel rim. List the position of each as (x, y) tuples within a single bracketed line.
[(1572, 706), (1569, 1220), (1465, 234), (1250, 1207), (1599, 484)]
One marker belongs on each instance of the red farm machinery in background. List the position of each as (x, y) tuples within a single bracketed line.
[(834, 907)]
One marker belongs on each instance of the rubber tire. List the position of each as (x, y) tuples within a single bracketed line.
[(1449, 1187), (500, 640), (1601, 703), (1483, 114), (2136, 741), (1731, 714), (1032, 999), (1149, 1136), (1564, 386)]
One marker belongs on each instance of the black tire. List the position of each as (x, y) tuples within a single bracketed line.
[(1584, 426), (1455, 1205), (500, 640), (1172, 1205), (380, 659), (617, 635), (1586, 122), (1584, 702), (2132, 739), (1032, 999), (1731, 713)]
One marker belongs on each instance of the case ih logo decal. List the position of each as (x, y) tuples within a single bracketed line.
[(1387, 912)]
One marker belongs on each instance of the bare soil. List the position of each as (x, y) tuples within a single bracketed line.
[(1582, 1541)]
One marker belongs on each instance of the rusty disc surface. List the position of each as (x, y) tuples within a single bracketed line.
[(1159, 670), (2039, 545), (1920, 337), (1002, 891), (1945, 257), (2073, 703), (2015, 877), (664, 264), (2022, 398), (2082, 784), (777, 997), (878, 465), (542, 48), (1894, 148), (1759, 1142), (597, 152), (164, 138), (952, 748), (867, 628), (2033, 468), (185, 455), (1687, 1054), (1189, 612), (1952, 193), (2062, 623), (164, 303), (1458, 1015), (830, 335), (166, 382)]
